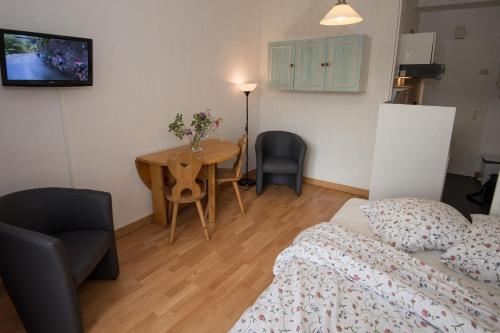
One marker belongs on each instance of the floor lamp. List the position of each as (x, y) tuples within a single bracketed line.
[(247, 88)]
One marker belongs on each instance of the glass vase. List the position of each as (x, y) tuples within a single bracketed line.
[(196, 144)]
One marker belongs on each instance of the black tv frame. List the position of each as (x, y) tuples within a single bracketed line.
[(43, 83)]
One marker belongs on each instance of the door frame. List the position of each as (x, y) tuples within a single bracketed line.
[(495, 204)]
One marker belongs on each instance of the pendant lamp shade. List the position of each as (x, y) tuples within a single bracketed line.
[(341, 14)]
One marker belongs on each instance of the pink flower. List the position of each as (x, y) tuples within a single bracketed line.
[(355, 277), (387, 330), (261, 317), (488, 245), (425, 313), (453, 258)]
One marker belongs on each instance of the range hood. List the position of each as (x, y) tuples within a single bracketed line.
[(424, 71)]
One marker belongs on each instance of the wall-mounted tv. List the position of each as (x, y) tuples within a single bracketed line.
[(34, 59)]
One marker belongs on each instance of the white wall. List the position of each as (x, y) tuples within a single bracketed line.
[(339, 128), (434, 3), (483, 26), (152, 59), (155, 58), (409, 17)]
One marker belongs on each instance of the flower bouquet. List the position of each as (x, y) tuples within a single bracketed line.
[(203, 125)]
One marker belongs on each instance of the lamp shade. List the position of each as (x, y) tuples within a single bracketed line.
[(341, 14), (247, 87)]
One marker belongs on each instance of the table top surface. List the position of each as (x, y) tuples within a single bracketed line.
[(213, 151)]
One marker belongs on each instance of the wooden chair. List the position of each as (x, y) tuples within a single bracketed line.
[(184, 167), (234, 174)]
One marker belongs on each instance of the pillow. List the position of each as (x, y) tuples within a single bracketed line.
[(413, 224), (479, 254), (484, 227)]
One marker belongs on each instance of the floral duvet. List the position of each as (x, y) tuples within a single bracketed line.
[(334, 280)]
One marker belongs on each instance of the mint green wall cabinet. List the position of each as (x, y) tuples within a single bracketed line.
[(346, 57), (282, 65), (310, 67), (323, 64)]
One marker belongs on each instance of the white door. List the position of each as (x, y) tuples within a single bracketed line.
[(469, 66)]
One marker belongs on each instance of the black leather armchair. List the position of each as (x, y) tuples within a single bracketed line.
[(280, 159), (51, 240)]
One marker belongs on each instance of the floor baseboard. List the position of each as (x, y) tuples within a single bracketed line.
[(134, 226), (141, 223), (338, 187), (329, 185)]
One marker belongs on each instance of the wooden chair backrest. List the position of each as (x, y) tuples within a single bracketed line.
[(185, 166), (237, 167)]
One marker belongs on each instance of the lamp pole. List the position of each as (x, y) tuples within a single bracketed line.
[(247, 181)]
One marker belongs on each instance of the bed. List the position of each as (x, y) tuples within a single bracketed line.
[(337, 276)]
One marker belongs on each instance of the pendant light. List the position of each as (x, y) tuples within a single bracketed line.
[(341, 14)]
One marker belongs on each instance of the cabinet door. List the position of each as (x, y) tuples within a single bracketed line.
[(281, 65), (310, 67), (344, 62)]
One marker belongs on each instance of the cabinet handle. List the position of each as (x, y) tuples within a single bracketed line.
[(327, 64), (322, 65), (292, 65)]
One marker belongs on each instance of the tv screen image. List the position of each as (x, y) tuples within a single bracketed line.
[(40, 59)]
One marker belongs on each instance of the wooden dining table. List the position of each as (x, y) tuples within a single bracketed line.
[(153, 171)]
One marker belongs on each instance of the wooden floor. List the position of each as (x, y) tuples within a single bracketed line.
[(197, 285)]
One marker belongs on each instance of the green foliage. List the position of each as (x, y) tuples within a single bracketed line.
[(178, 127), (202, 126), (16, 45)]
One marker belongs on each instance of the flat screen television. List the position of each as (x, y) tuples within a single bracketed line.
[(34, 59)]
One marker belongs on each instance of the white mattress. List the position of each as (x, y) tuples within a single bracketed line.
[(351, 217)]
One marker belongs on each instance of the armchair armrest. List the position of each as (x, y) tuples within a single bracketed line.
[(259, 151), (35, 268), (298, 150), (94, 209)]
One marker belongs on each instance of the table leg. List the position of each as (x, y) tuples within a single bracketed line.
[(157, 191), (211, 192)]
